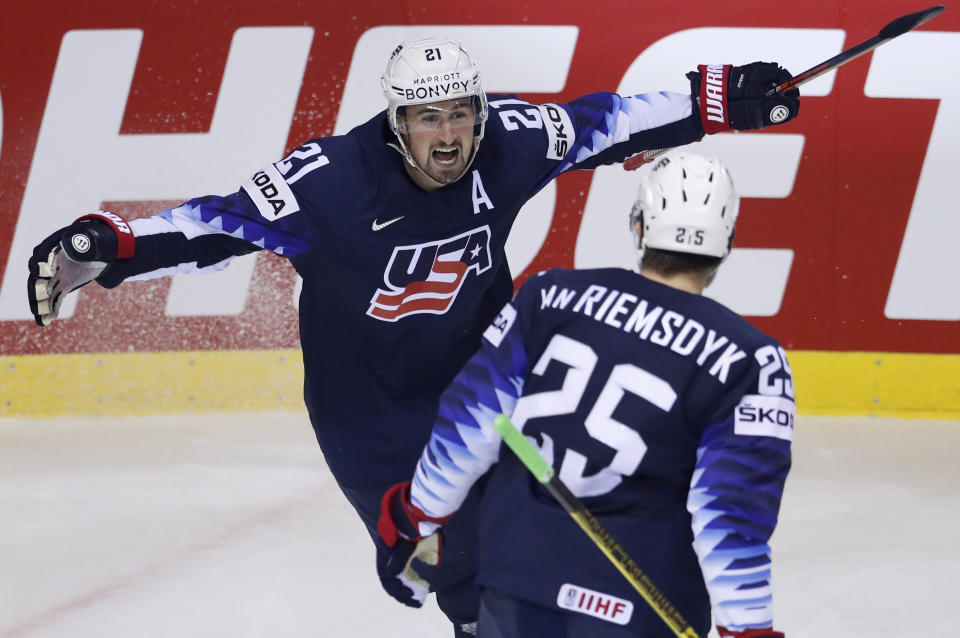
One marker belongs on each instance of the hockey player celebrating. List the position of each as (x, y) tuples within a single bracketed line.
[(398, 230), (667, 413)]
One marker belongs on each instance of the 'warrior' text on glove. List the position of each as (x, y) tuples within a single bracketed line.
[(735, 97)]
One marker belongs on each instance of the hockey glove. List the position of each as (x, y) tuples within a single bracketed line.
[(402, 527), (735, 97), (72, 257), (748, 633)]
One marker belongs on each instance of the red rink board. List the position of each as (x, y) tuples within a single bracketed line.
[(845, 219)]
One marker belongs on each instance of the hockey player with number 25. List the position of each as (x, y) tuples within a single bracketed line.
[(398, 230), (669, 415)]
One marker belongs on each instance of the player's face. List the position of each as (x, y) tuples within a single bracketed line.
[(440, 137)]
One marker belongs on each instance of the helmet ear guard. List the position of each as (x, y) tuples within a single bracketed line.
[(427, 71), (687, 204)]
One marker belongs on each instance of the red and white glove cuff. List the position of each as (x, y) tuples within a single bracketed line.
[(390, 529), (714, 114), (126, 242)]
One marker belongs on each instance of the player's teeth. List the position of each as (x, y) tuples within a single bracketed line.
[(452, 152)]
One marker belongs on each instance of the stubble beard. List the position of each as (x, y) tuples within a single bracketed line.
[(445, 174)]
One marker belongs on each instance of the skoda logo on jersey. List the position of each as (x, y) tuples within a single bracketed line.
[(425, 278)]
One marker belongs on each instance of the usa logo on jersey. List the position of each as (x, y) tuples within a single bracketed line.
[(425, 278)]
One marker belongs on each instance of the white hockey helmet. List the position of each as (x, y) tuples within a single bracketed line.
[(687, 204), (432, 70)]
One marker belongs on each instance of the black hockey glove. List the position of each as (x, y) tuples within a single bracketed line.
[(734, 97), (748, 633), (399, 529), (72, 257)]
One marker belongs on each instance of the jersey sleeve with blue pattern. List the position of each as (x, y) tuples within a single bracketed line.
[(205, 233), (464, 444), (612, 127), (742, 463), (602, 128)]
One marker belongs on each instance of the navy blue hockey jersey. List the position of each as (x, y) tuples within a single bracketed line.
[(398, 283), (669, 415)]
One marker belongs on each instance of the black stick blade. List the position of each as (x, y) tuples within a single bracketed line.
[(912, 21)]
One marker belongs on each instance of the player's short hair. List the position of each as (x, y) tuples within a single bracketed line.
[(670, 262)]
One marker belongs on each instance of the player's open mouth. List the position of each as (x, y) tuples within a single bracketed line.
[(446, 156)]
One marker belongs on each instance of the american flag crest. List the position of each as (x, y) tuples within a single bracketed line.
[(426, 278)]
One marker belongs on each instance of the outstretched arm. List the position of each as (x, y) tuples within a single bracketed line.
[(610, 128), (201, 235)]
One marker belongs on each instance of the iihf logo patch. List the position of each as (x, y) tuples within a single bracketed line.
[(594, 603), (426, 278)]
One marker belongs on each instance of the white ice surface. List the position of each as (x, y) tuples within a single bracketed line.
[(231, 525)]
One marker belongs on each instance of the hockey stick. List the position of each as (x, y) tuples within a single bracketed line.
[(617, 555), (895, 28)]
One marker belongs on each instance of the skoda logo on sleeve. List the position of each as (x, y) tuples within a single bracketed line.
[(80, 242), (779, 113)]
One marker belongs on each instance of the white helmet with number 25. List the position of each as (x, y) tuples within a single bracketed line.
[(431, 70), (687, 204)]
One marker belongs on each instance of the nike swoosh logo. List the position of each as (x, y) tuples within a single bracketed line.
[(377, 226)]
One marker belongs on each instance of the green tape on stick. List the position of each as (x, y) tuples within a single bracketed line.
[(523, 449)]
